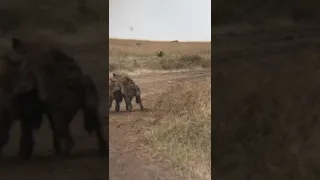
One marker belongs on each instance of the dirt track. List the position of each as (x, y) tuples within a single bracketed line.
[(128, 159)]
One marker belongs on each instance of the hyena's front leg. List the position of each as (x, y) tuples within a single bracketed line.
[(118, 99), (5, 126), (110, 101)]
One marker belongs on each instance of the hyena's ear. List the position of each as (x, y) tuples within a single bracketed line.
[(114, 75), (17, 45)]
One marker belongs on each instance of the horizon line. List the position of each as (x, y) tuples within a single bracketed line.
[(207, 41)]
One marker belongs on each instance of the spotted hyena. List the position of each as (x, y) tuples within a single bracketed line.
[(62, 88), (128, 89), (19, 100)]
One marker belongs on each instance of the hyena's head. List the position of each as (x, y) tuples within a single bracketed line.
[(114, 86), (13, 80)]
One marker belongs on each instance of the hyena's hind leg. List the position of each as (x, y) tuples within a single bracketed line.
[(91, 114), (138, 98), (93, 124), (61, 119), (26, 140), (55, 137)]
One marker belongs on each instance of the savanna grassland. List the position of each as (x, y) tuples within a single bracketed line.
[(172, 136)]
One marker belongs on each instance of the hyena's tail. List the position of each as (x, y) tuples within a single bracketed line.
[(91, 106)]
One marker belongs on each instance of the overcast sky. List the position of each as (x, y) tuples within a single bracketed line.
[(184, 20)]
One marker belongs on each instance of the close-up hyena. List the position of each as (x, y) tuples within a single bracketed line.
[(125, 86), (60, 86)]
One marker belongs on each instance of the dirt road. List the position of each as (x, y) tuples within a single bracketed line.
[(128, 158)]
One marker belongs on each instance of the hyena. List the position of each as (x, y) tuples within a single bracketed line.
[(19, 101), (62, 88), (128, 90)]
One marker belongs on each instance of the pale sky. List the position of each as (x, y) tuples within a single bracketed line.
[(183, 20)]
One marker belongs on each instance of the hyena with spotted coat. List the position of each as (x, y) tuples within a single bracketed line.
[(121, 86)]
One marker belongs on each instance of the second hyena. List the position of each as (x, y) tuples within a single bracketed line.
[(19, 100), (128, 89)]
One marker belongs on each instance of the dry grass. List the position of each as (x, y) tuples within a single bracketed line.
[(133, 55), (182, 126)]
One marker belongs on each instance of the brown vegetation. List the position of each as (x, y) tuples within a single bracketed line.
[(183, 126), (128, 56)]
